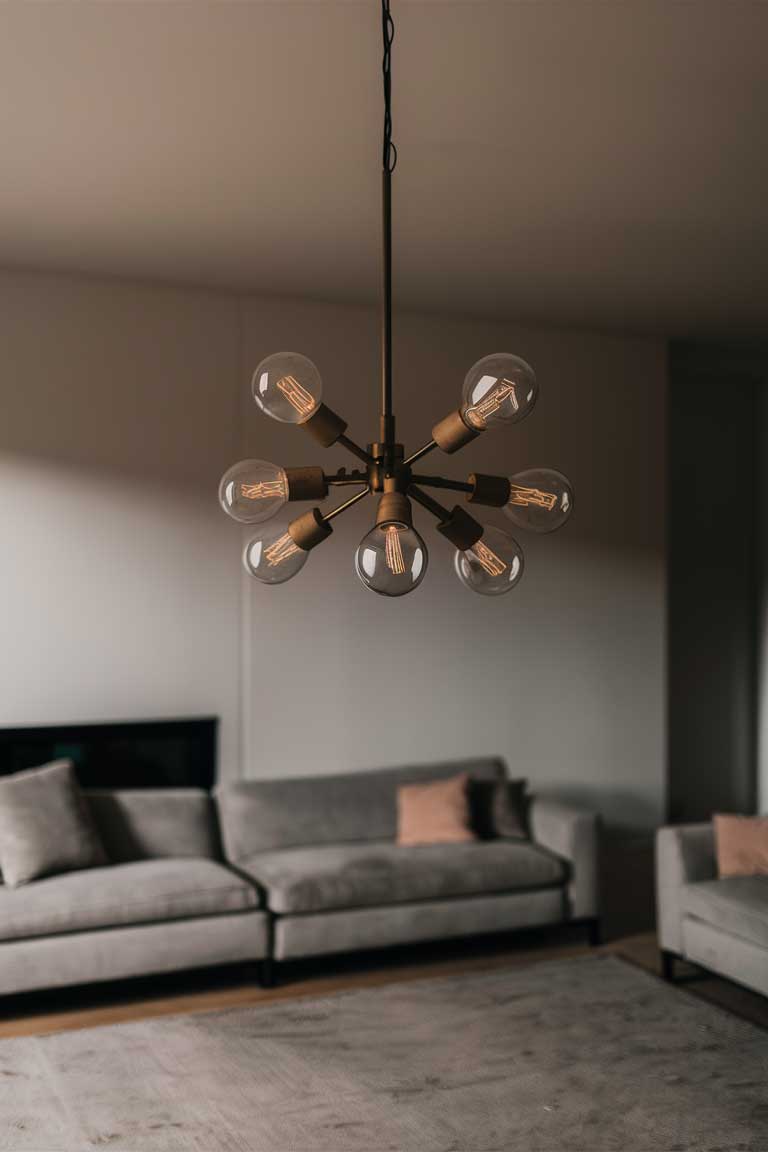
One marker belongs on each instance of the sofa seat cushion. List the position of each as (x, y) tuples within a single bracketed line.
[(737, 905), (323, 877), (138, 893)]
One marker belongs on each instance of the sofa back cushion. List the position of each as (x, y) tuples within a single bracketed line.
[(263, 815), (151, 823), (45, 824)]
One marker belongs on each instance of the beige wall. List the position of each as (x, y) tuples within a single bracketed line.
[(121, 592)]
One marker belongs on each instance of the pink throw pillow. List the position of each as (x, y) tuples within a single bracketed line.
[(434, 813), (741, 843)]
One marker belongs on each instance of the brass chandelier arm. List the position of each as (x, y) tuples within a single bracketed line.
[(443, 482), (355, 449), (347, 504), (492, 491), (343, 477), (439, 511), (461, 529), (421, 452)]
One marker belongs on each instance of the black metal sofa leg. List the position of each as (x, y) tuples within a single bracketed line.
[(594, 932), (668, 964), (267, 973)]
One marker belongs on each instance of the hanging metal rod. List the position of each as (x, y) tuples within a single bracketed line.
[(389, 158)]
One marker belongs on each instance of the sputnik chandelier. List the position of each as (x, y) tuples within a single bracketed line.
[(392, 558)]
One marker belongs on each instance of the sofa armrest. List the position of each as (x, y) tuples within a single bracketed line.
[(685, 854), (573, 834)]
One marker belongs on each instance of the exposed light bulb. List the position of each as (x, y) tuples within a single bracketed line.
[(288, 387), (391, 559), (253, 490), (493, 565), (499, 389), (540, 499), (273, 556)]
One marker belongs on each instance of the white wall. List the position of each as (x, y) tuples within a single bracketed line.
[(121, 593)]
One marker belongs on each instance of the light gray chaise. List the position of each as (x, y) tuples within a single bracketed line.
[(169, 902), (719, 924), (323, 851)]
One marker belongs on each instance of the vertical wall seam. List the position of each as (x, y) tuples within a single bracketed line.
[(244, 621)]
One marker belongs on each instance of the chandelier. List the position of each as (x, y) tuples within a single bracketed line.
[(499, 390)]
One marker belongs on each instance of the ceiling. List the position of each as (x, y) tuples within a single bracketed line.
[(590, 162)]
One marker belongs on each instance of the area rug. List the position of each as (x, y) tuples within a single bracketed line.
[(583, 1054)]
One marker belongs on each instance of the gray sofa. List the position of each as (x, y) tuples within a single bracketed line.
[(719, 924), (307, 867), (322, 851), (168, 902)]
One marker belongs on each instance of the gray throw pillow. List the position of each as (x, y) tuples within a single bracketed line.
[(499, 808), (45, 825)]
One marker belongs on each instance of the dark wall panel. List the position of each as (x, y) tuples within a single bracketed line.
[(713, 583)]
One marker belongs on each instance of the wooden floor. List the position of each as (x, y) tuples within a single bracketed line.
[(37, 1014)]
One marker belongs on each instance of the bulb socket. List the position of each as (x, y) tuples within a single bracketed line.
[(309, 530), (451, 433), (493, 491), (394, 508), (325, 426), (461, 529), (306, 484)]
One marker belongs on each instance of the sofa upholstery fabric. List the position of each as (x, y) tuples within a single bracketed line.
[(136, 950), (45, 824), (574, 835), (728, 955), (721, 924), (737, 905), (685, 854), (138, 893), (263, 815), (139, 824), (319, 878), (354, 928)]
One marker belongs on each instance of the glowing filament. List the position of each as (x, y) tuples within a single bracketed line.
[(280, 550), (264, 490), (525, 496), (297, 395), (488, 560), (478, 413), (393, 551)]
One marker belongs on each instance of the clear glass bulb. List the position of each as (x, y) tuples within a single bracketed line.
[(493, 565), (540, 500), (253, 490), (391, 559), (499, 389), (288, 387), (272, 557)]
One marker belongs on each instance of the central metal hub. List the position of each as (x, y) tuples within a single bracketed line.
[(388, 465)]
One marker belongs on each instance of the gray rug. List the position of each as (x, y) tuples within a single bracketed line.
[(569, 1054)]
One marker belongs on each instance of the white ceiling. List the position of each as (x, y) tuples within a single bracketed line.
[(597, 162)]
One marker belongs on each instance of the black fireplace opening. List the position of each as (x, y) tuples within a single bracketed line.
[(125, 754)]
